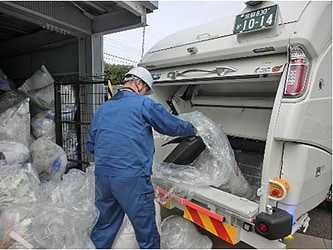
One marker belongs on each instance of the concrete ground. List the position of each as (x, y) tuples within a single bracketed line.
[(301, 241)]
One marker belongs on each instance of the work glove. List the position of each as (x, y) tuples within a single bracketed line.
[(199, 131)]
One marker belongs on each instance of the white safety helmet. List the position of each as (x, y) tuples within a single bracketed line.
[(144, 75)]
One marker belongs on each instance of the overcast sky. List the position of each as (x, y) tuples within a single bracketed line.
[(171, 16)]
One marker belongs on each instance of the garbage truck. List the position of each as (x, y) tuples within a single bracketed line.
[(265, 77)]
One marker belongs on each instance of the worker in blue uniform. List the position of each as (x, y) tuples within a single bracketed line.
[(121, 138)]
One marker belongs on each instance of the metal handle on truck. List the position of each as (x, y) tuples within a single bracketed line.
[(219, 70), (284, 193)]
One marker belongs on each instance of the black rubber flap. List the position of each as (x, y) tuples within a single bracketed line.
[(188, 149)]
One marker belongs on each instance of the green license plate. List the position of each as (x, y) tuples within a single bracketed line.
[(255, 20)]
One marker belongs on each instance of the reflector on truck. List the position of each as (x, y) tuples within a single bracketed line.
[(298, 71), (210, 221)]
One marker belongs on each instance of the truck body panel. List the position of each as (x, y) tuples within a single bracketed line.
[(219, 34), (244, 81)]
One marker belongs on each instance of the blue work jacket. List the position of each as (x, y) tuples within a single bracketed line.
[(120, 134)]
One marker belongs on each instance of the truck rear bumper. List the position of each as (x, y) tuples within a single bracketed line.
[(229, 226)]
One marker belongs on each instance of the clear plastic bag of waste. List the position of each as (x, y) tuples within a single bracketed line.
[(12, 152), (215, 166), (179, 233), (69, 212), (42, 124), (49, 159), (62, 216), (39, 79), (19, 184), (15, 118), (11, 98)]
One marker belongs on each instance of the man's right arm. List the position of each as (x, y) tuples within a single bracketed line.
[(166, 123)]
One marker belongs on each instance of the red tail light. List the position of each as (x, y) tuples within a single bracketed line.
[(262, 227), (276, 225), (298, 71)]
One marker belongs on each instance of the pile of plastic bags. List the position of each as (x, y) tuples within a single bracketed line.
[(61, 214), (55, 214), (41, 206), (215, 166)]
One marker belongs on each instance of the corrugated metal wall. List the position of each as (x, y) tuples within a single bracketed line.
[(62, 11), (61, 60)]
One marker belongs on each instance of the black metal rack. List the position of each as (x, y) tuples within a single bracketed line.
[(76, 100)]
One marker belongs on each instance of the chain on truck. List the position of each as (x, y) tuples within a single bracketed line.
[(265, 77)]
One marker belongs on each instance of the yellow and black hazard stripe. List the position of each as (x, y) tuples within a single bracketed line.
[(110, 92)]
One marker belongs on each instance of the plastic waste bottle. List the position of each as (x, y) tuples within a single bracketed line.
[(40, 79)]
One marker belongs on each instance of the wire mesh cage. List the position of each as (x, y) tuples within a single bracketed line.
[(76, 100)]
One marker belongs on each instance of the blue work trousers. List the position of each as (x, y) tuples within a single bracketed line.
[(115, 196)]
